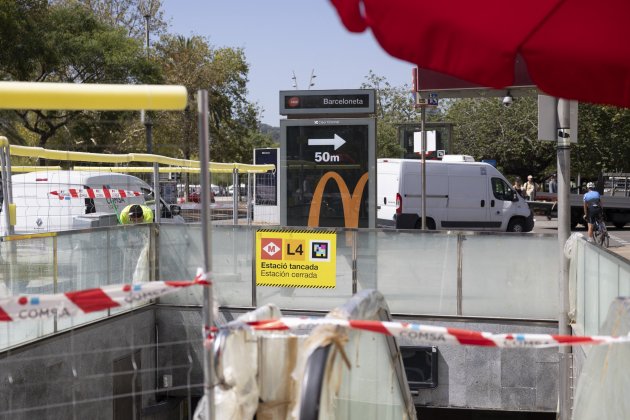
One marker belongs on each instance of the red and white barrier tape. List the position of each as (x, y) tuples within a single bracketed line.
[(428, 334), (94, 193), (62, 305)]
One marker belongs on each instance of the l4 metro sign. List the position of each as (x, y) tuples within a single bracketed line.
[(296, 258)]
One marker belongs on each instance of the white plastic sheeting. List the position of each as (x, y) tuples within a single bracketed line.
[(570, 252), (236, 395), (278, 354)]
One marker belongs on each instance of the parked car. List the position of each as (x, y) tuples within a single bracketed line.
[(195, 197), (242, 190)]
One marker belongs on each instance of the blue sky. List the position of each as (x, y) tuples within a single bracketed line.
[(283, 36)]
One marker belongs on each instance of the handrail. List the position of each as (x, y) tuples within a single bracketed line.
[(178, 165)]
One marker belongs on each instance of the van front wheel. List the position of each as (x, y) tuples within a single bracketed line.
[(430, 224), (516, 225)]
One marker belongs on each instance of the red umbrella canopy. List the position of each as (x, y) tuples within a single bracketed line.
[(573, 49)]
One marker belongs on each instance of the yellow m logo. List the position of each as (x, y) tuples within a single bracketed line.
[(351, 202)]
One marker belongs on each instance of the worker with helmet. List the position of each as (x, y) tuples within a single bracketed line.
[(136, 213)]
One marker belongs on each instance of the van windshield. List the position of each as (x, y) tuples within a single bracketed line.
[(147, 193), (501, 190)]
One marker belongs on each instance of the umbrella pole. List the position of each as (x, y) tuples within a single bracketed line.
[(563, 152), (423, 114)]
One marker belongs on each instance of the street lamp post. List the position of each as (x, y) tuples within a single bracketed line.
[(311, 83), (146, 119), (147, 17), (148, 128)]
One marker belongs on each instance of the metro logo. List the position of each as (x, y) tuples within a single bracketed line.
[(271, 248)]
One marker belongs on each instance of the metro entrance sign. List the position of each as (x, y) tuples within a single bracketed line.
[(328, 159), (327, 172), (326, 102)]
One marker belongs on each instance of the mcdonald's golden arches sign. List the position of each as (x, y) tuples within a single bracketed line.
[(328, 180)]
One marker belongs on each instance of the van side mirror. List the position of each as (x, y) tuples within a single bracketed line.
[(514, 196), (175, 210)]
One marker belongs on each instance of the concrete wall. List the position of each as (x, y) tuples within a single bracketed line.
[(468, 377), (491, 378), (184, 361), (37, 380)]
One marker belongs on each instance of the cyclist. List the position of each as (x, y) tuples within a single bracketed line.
[(592, 208)]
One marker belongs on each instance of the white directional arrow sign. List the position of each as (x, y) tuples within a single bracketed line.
[(335, 141)]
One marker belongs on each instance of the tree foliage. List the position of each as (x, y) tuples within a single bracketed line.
[(393, 107), (485, 129), (603, 141), (64, 43), (128, 14), (192, 62)]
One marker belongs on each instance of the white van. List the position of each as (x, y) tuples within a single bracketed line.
[(460, 195), (61, 200)]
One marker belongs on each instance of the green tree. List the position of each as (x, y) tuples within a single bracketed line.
[(192, 62), (64, 43), (603, 141), (127, 14), (393, 107), (485, 129)]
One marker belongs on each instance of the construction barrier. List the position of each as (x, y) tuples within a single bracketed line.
[(433, 335), (61, 305)]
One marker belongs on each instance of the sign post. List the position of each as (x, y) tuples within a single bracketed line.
[(328, 155), (423, 104)]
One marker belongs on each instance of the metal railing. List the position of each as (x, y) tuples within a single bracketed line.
[(457, 274), (422, 273), (58, 262), (597, 277)]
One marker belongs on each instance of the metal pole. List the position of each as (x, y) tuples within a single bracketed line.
[(5, 191), (460, 269), (147, 17), (9, 179), (235, 196), (249, 198), (423, 113), (564, 219), (355, 254), (156, 193), (204, 159), (148, 125)]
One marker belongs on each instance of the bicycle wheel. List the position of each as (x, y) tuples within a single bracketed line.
[(597, 235), (605, 237), (601, 235)]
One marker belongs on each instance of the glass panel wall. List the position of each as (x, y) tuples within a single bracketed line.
[(598, 277), (512, 276), (417, 271), (27, 267)]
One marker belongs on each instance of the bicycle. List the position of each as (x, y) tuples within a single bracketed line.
[(600, 233)]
